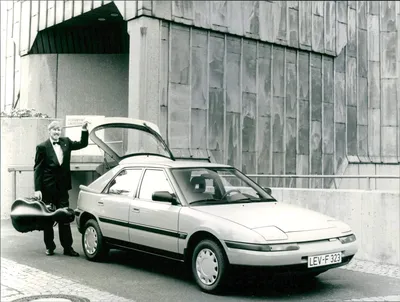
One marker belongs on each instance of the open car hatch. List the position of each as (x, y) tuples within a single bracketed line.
[(121, 137)]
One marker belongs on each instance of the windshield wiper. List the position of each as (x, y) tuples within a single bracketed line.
[(248, 199), (205, 201)]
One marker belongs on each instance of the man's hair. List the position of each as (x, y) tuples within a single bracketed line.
[(53, 124)]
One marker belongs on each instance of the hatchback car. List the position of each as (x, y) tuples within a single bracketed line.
[(210, 215)]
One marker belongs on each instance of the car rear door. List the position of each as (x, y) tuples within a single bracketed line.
[(153, 225), (113, 207)]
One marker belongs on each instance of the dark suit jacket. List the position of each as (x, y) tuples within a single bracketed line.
[(49, 175)]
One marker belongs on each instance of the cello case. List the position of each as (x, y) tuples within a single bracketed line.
[(31, 214)]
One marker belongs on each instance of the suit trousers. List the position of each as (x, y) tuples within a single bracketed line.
[(60, 199)]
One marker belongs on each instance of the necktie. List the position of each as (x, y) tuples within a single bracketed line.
[(56, 143)]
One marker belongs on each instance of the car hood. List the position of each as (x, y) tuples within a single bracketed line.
[(288, 218)]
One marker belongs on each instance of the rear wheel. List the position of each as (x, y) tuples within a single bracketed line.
[(92, 241), (209, 266)]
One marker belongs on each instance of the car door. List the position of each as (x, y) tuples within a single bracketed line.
[(154, 224), (113, 207)]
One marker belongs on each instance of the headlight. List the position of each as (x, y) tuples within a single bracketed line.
[(347, 239), (263, 247), (271, 233), (343, 227)]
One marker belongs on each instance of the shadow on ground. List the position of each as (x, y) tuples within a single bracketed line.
[(243, 284)]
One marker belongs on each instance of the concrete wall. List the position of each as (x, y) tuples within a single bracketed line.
[(75, 84), (385, 184), (373, 215), (267, 108), (19, 139)]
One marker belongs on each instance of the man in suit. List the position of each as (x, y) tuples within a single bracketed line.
[(52, 177)]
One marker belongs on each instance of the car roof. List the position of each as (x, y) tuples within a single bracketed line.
[(163, 162)]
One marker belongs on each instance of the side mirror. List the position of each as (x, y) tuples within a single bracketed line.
[(268, 190), (164, 196)]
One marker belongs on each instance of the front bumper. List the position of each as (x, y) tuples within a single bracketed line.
[(296, 259)]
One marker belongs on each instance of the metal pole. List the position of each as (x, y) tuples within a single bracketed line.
[(14, 186)]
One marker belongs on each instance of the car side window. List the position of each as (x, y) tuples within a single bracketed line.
[(154, 180), (126, 182)]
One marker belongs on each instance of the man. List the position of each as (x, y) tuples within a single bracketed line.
[(52, 177)]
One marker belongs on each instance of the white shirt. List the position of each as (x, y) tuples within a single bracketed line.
[(58, 151)]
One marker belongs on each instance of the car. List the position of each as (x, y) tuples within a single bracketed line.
[(211, 216)]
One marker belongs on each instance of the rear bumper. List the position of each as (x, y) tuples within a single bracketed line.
[(294, 260), (77, 218)]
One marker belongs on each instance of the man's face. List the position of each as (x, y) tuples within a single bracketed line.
[(55, 132)]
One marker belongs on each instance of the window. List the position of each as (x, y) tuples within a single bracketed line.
[(125, 183), (154, 180), (217, 185)]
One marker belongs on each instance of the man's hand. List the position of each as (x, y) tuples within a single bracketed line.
[(85, 124), (38, 195)]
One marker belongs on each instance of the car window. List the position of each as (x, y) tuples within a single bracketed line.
[(154, 180), (217, 185), (126, 182)]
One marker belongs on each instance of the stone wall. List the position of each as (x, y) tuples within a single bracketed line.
[(274, 109), (271, 109)]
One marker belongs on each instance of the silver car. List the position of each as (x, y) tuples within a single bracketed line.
[(209, 215)]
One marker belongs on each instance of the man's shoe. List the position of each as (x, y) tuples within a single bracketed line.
[(49, 252), (71, 252)]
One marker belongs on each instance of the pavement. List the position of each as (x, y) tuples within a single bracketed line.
[(23, 283), (20, 283)]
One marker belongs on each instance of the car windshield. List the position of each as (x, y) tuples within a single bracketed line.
[(205, 186)]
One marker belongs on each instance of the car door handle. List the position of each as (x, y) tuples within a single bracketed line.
[(100, 203), (136, 210)]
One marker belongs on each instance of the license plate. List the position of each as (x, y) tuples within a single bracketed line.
[(321, 260)]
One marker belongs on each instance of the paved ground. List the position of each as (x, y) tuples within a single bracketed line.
[(18, 281), (27, 272)]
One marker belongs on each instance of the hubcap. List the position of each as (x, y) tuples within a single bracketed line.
[(90, 240), (207, 266)]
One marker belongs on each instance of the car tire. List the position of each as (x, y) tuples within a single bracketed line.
[(209, 266), (92, 241)]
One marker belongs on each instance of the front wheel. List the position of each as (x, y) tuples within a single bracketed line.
[(209, 266), (92, 241)]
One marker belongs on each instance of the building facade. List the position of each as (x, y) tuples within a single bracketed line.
[(271, 87)]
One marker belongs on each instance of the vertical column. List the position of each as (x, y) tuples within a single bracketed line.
[(328, 124), (340, 87), (362, 81), (264, 112), (398, 84), (388, 49), (233, 101), (216, 96), (249, 106), (291, 115), (199, 92), (278, 113), (316, 119), (374, 87), (303, 118), (179, 100), (144, 69), (351, 86)]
